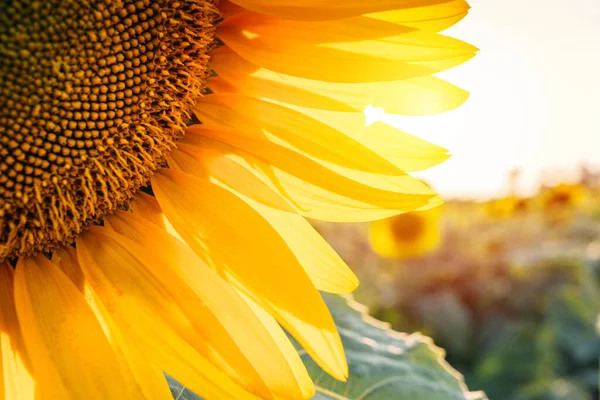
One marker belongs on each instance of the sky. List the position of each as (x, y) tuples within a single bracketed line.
[(535, 98)]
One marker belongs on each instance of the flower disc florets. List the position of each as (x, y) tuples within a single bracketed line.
[(93, 96)]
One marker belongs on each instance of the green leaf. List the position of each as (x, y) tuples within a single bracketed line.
[(384, 364), (179, 391)]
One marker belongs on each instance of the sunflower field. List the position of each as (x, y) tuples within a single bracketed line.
[(511, 290)]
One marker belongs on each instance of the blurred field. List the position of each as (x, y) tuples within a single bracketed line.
[(511, 290)]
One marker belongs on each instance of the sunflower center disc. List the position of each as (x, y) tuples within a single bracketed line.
[(408, 227), (93, 96)]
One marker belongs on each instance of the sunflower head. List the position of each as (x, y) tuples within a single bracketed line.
[(503, 208), (559, 204), (114, 287), (522, 205), (563, 196), (407, 235), (93, 96)]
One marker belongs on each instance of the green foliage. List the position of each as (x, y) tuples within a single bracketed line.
[(384, 364), (526, 333), (523, 364)]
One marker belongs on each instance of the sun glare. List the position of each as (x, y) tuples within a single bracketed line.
[(373, 114)]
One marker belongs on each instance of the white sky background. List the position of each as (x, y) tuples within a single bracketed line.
[(535, 97)]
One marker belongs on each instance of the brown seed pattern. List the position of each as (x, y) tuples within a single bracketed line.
[(93, 96)]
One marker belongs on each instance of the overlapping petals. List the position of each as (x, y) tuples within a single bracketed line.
[(198, 280)]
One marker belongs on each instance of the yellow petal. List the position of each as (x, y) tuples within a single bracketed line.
[(322, 10), (223, 229), (415, 96), (351, 50), (146, 207), (148, 375), (66, 260), (72, 355), (434, 202), (226, 314), (433, 18), (211, 163), (405, 151), (313, 190), (227, 9), (355, 29), (16, 380), (259, 119), (119, 271), (332, 138), (308, 390), (183, 362), (326, 269)]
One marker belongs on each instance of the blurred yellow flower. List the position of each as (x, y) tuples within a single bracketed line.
[(506, 207), (98, 297), (564, 195), (522, 205), (560, 203), (407, 235)]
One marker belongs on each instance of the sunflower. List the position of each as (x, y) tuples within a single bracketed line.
[(407, 235), (560, 203), (505, 207), (562, 196), (158, 159)]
